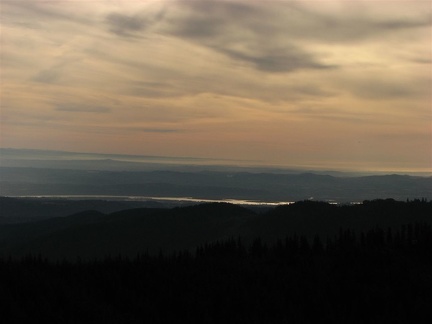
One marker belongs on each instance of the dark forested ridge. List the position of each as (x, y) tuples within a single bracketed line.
[(93, 234), (21, 210), (307, 262), (378, 276)]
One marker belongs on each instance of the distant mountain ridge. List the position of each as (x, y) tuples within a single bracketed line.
[(10, 157), (38, 173), (13, 157), (16, 181)]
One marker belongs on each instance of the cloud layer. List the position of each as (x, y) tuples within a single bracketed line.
[(316, 83)]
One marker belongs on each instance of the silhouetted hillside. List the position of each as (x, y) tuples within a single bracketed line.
[(93, 234), (310, 217), (129, 232), (19, 210), (378, 276)]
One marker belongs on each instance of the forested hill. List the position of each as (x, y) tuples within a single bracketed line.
[(93, 234), (374, 275)]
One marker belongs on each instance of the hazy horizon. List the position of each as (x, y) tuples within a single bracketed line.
[(326, 85), (14, 156)]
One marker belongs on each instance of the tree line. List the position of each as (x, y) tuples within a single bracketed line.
[(376, 276)]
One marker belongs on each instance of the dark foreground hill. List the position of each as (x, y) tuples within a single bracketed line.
[(21, 210), (93, 234), (309, 262), (380, 276)]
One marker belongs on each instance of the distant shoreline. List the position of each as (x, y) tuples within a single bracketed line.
[(150, 198), (167, 199)]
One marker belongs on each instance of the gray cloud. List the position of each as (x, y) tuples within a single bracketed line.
[(153, 89), (387, 89), (82, 108), (124, 25), (157, 130), (352, 23), (402, 24), (134, 129), (47, 76), (130, 25), (241, 30), (422, 60), (268, 38), (56, 71), (286, 60), (22, 10), (202, 19)]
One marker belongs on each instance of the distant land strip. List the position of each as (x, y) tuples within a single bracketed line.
[(171, 199)]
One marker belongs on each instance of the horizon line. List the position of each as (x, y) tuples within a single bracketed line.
[(189, 161)]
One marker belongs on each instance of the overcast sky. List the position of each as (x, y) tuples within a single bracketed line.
[(324, 84)]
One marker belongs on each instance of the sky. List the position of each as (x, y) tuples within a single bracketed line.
[(324, 84)]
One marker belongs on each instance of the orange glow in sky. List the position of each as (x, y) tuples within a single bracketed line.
[(330, 84)]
